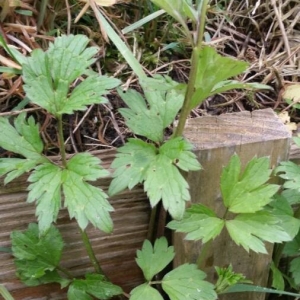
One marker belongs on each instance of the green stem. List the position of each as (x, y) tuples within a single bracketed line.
[(5, 293), (205, 250), (84, 235), (65, 271), (90, 252), (61, 141), (187, 105)]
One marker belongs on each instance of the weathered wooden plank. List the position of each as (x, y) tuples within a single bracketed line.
[(116, 252), (216, 139)]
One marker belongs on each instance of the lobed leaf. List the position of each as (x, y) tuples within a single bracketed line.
[(291, 173), (199, 222), (152, 260), (22, 139), (85, 202), (186, 282), (277, 277), (151, 121), (94, 285), (131, 164), (145, 292), (48, 75), (247, 192), (250, 230), (179, 151), (165, 182), (45, 189), (37, 256), (213, 69)]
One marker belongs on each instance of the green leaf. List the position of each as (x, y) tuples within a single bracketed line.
[(180, 10), (199, 222), (154, 259), (15, 167), (280, 208), (241, 288), (291, 195), (165, 182), (37, 256), (23, 139), (250, 230), (150, 122), (186, 283), (227, 85), (295, 270), (213, 69), (179, 151), (292, 248), (131, 164), (85, 202), (291, 173), (93, 285), (45, 189), (139, 162), (5, 293), (227, 277), (277, 278), (145, 292), (247, 192), (48, 75)]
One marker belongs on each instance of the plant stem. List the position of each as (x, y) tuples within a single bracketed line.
[(205, 250), (90, 252), (65, 271), (187, 105), (84, 235), (61, 141)]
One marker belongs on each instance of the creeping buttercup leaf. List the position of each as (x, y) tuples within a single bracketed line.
[(145, 292), (48, 75), (289, 171), (149, 119), (138, 162), (247, 192), (180, 152), (281, 208), (15, 167), (23, 139), (85, 202), (94, 285), (292, 248), (199, 222), (165, 182), (37, 256), (251, 230), (45, 189), (213, 69), (153, 259), (186, 282), (277, 277), (227, 85), (131, 163), (180, 10)]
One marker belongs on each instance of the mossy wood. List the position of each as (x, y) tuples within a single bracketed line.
[(116, 252), (216, 139)]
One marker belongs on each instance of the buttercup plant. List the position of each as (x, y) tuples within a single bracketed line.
[(151, 159)]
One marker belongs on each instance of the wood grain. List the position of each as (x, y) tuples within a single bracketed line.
[(116, 252), (215, 140)]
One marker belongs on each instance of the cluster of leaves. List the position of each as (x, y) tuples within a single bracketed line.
[(155, 163), (37, 259), (48, 76), (257, 218), (184, 282)]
